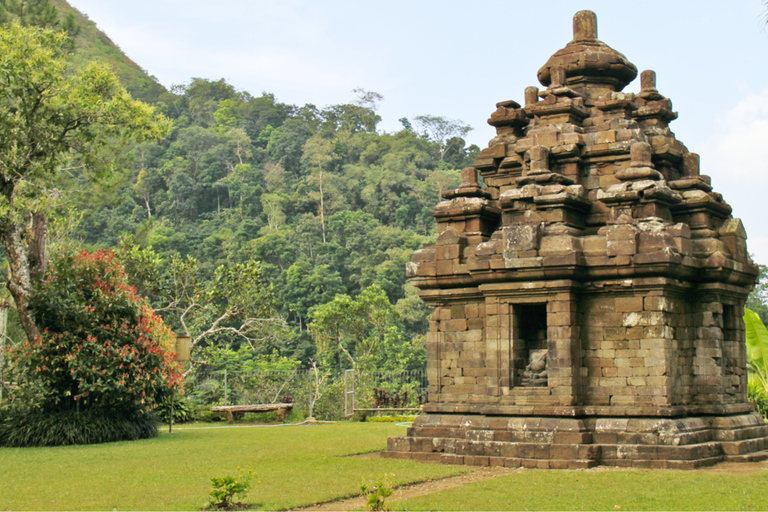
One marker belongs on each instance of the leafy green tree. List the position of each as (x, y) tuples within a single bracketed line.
[(47, 118), (359, 116), (351, 332), (37, 13), (286, 143), (758, 298), (236, 304), (308, 285), (441, 130)]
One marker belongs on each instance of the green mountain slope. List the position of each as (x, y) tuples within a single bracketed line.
[(93, 44)]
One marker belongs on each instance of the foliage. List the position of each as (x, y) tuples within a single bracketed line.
[(50, 118), (443, 131), (183, 409), (228, 488), (48, 114), (397, 418), (102, 347), (327, 406), (91, 44), (758, 396), (350, 331), (378, 493), (758, 298), (235, 306), (40, 427), (381, 398), (757, 348)]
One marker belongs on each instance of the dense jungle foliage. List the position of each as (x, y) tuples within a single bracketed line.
[(323, 201), (261, 229)]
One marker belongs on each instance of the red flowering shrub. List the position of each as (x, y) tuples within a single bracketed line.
[(101, 348)]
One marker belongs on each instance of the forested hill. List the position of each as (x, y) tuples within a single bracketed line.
[(324, 201), (93, 44), (327, 204)]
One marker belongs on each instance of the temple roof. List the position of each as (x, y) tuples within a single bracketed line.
[(586, 60)]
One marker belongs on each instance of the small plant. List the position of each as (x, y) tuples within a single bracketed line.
[(383, 399), (378, 493), (227, 488)]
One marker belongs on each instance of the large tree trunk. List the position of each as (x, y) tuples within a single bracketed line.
[(19, 282), (38, 262)]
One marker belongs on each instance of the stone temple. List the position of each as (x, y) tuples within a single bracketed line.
[(588, 300)]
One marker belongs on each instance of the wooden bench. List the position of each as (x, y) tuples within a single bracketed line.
[(238, 410)]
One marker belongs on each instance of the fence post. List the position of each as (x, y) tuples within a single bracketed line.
[(349, 392), (225, 387), (310, 403)]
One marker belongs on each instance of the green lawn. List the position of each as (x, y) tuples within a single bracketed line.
[(602, 490), (300, 465), (294, 465)]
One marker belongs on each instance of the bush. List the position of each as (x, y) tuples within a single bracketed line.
[(330, 404), (102, 354), (183, 411), (390, 419), (758, 396), (36, 427), (227, 488)]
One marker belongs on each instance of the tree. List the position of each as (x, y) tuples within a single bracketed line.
[(49, 118), (236, 305), (352, 331), (758, 298), (442, 129)]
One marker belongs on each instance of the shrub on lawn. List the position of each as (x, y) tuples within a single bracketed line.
[(183, 410), (103, 355)]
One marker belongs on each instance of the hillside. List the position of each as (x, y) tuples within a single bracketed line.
[(93, 44)]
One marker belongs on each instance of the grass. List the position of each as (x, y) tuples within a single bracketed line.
[(298, 466), (602, 490), (294, 466)]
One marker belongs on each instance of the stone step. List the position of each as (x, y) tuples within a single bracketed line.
[(620, 455), (744, 447)]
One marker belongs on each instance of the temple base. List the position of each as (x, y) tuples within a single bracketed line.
[(578, 443)]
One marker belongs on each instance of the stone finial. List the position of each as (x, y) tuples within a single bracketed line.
[(648, 89), (539, 159), (469, 178), (469, 186), (691, 164), (640, 165), (531, 95), (648, 80), (585, 26), (641, 153)]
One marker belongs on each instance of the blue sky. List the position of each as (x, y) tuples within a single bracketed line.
[(457, 59)]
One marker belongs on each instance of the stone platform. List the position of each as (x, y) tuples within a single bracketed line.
[(580, 443)]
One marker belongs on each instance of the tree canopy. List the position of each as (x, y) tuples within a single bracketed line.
[(52, 120)]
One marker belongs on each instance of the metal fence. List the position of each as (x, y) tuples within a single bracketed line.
[(325, 395)]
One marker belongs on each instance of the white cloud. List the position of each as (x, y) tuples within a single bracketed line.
[(736, 152), (735, 158)]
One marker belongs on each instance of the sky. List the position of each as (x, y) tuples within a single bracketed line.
[(458, 59)]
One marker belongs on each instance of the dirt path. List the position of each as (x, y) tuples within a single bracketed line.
[(484, 473), (419, 489)]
